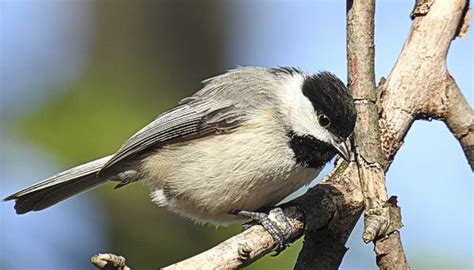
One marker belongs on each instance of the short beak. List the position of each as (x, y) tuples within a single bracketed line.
[(342, 149)]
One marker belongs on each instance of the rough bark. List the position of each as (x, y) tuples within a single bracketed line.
[(324, 244), (388, 249), (420, 86), (367, 145)]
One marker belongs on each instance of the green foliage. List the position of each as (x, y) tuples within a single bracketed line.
[(94, 116)]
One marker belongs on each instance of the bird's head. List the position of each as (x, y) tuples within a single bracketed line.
[(321, 117)]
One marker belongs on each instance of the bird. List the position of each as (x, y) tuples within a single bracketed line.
[(242, 143)]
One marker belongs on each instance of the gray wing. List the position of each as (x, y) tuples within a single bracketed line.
[(192, 118), (221, 105)]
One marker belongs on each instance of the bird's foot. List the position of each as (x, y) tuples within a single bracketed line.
[(275, 222)]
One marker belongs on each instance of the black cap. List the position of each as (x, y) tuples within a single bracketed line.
[(330, 97)]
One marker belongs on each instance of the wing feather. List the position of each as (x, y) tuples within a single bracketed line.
[(191, 119)]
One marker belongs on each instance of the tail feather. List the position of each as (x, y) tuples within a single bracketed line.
[(59, 187)]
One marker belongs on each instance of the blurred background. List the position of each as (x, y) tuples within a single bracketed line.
[(78, 78)]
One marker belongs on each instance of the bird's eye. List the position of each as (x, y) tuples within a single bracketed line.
[(324, 120)]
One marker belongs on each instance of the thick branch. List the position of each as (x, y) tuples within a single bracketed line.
[(324, 246), (419, 85)]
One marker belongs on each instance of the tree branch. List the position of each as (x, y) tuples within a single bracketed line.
[(243, 248), (324, 246), (459, 118), (419, 86), (367, 144)]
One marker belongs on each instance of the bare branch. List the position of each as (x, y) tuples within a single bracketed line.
[(420, 86), (243, 248), (368, 151), (324, 246), (459, 117), (389, 251)]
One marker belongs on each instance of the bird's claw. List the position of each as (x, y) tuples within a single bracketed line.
[(275, 222)]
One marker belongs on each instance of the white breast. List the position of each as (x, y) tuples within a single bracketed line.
[(247, 169)]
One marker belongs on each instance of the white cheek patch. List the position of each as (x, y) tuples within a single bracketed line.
[(302, 118)]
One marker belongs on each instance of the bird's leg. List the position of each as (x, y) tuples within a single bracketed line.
[(275, 222), (249, 224)]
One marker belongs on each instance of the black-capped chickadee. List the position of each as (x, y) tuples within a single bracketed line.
[(242, 143)]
